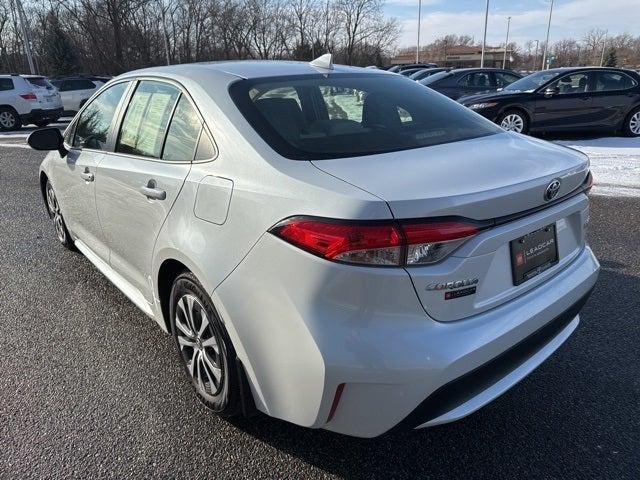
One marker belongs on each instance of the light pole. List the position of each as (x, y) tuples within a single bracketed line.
[(506, 44), (546, 43), (604, 43), (484, 39), (419, 18), (26, 36), (535, 56)]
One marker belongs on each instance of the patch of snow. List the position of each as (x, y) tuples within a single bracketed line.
[(615, 164)]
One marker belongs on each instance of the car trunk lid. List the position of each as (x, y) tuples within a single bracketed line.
[(498, 180)]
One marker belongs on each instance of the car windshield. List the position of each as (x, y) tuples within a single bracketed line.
[(312, 117), (435, 77), (532, 82)]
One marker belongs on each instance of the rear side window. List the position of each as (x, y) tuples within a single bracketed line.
[(6, 84), (608, 81), (344, 115), (78, 84), (183, 133), (93, 125), (574, 83), (145, 123)]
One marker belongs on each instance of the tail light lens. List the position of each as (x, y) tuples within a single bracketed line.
[(431, 242), (29, 96), (386, 243)]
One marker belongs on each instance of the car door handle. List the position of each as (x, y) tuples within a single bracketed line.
[(87, 176), (151, 191)]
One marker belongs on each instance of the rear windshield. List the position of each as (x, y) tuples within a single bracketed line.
[(313, 117), (40, 82)]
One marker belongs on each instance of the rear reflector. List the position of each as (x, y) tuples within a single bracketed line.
[(336, 401), (29, 96), (376, 243)]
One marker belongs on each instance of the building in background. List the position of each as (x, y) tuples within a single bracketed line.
[(463, 56)]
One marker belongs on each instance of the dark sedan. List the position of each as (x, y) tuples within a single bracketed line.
[(426, 72), (560, 99), (468, 81)]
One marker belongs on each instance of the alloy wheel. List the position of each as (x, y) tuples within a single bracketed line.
[(634, 123), (56, 216), (7, 120), (513, 123), (199, 346)]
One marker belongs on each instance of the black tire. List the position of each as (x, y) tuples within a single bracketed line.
[(201, 361), (632, 123), (513, 114), (56, 216), (42, 123), (9, 119)]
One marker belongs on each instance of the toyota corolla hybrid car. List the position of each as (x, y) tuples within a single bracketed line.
[(337, 247), (562, 99)]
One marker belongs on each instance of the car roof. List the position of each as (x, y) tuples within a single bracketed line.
[(249, 69)]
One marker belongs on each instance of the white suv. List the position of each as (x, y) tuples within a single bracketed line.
[(27, 99), (75, 91)]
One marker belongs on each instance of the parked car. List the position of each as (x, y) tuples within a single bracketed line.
[(75, 91), (561, 99), (426, 72), (409, 71), (317, 254), (466, 81), (399, 68), (26, 99)]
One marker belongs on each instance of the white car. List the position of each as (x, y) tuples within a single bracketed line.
[(75, 91), (339, 247), (27, 99)]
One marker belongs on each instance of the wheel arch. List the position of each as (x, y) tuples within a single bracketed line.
[(167, 273), (43, 189), (518, 108)]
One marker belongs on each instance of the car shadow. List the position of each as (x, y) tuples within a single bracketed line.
[(540, 428)]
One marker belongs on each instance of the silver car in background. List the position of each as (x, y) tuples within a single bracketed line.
[(337, 247)]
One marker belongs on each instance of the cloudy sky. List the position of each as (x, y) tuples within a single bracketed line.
[(571, 18)]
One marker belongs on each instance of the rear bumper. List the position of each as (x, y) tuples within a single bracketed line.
[(302, 326), (38, 115)]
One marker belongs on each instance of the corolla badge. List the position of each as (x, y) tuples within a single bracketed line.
[(552, 189), (454, 284)]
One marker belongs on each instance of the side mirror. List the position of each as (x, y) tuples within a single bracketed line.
[(47, 139), (551, 91)]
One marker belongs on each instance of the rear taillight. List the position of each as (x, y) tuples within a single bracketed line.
[(377, 243), (29, 96), (431, 242)]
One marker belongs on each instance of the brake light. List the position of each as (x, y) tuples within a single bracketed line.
[(29, 96), (376, 243)]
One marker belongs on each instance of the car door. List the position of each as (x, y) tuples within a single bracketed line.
[(140, 180), (74, 176), (613, 94), (570, 104)]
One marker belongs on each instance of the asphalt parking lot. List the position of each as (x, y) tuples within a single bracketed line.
[(91, 388)]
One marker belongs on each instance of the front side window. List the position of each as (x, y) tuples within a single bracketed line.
[(344, 115), (145, 122), (609, 81), (183, 133), (575, 83), (92, 127)]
